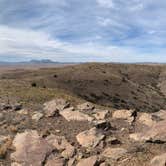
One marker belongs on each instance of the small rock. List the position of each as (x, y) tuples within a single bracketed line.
[(159, 160), (5, 144), (71, 161), (60, 143), (161, 115), (90, 138), (1, 116), (102, 124), (75, 115), (86, 106), (15, 164), (37, 116), (55, 161), (31, 149), (146, 119), (127, 115), (114, 153), (23, 112), (91, 161), (113, 140), (100, 114), (17, 107)]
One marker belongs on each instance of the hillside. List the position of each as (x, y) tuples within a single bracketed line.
[(45, 119), (140, 87)]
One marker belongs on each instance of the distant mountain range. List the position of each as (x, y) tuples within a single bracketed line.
[(34, 61)]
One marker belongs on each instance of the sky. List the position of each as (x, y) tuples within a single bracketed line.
[(83, 30)]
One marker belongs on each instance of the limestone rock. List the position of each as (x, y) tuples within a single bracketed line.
[(55, 161), (159, 160), (61, 144), (100, 114), (157, 133), (23, 112), (31, 149), (91, 161), (146, 119), (114, 153), (90, 138), (54, 106), (127, 115), (37, 116), (75, 115)]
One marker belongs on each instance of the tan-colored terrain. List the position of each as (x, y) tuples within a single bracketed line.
[(88, 114)]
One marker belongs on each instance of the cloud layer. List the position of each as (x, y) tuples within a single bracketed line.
[(89, 30)]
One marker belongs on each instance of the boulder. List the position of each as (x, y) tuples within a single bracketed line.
[(90, 161), (157, 133), (127, 115), (90, 138), (70, 115), (31, 149), (61, 144), (159, 160), (53, 107), (114, 153)]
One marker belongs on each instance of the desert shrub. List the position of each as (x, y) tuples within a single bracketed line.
[(33, 84)]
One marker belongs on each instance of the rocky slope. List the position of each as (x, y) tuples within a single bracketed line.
[(63, 134)]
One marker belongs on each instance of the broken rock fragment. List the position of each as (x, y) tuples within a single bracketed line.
[(127, 115), (31, 149), (54, 160), (53, 107), (159, 160), (100, 114), (70, 115), (90, 138), (91, 161), (157, 133), (114, 153), (61, 144)]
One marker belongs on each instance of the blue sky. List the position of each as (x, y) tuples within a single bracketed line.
[(83, 31)]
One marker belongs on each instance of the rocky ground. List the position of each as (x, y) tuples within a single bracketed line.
[(61, 133)]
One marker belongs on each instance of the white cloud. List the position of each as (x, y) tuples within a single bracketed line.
[(36, 44), (106, 3)]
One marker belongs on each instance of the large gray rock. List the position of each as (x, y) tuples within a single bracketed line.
[(90, 138), (127, 115), (53, 107), (114, 153), (157, 133), (159, 160), (61, 144), (70, 115), (31, 149)]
